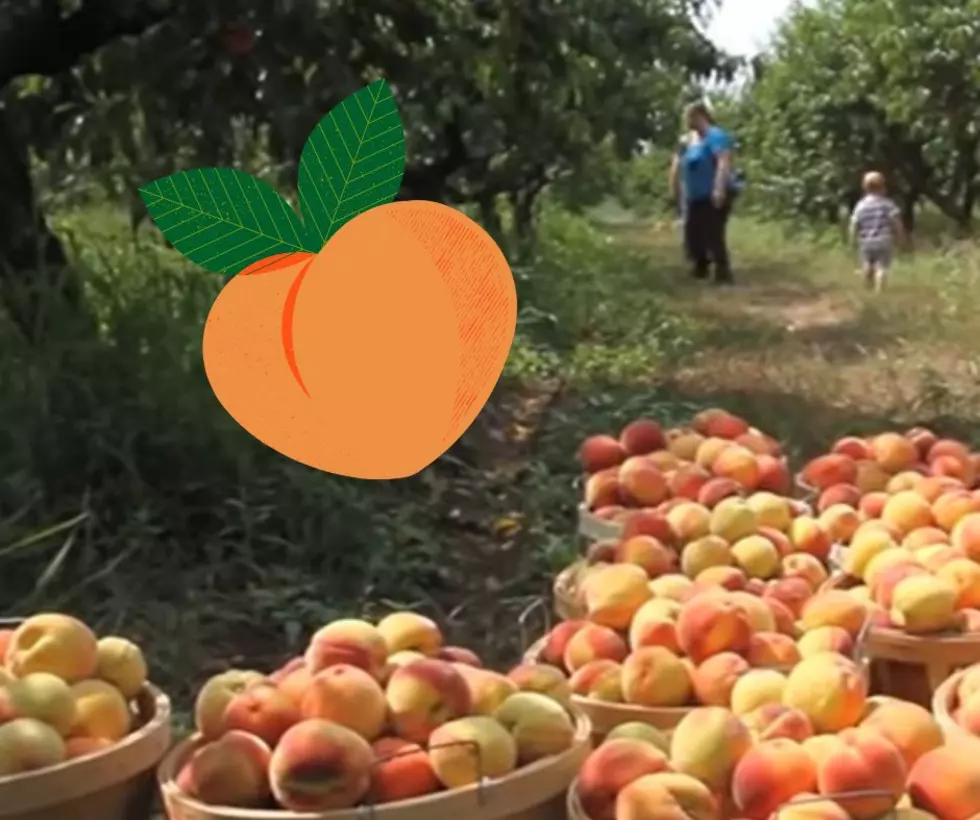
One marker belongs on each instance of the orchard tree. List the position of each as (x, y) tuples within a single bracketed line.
[(852, 85)]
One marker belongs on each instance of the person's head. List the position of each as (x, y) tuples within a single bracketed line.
[(873, 182), (698, 117)]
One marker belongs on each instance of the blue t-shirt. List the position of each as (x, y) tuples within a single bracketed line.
[(699, 163)]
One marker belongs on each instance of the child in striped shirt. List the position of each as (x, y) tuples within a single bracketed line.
[(876, 225)]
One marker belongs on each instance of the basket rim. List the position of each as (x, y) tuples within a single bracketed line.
[(155, 730), (169, 767)]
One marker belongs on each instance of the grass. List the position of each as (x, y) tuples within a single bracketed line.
[(129, 497)]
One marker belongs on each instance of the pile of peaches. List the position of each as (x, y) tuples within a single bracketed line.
[(964, 709), (887, 754), (370, 714), (911, 532), (64, 693), (648, 467)]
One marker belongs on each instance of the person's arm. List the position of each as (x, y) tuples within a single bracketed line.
[(720, 144), (852, 228), (672, 179), (901, 235)]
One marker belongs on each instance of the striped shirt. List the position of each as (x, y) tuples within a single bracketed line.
[(872, 221)]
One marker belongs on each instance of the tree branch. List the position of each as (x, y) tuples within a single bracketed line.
[(36, 38)]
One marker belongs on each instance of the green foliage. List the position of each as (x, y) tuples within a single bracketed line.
[(225, 220), (353, 160), (853, 85)]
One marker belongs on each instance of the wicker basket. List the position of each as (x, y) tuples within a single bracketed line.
[(574, 810), (943, 704), (115, 784), (534, 792), (595, 528), (912, 667), (568, 603)]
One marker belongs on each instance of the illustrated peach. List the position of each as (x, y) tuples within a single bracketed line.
[(714, 678), (613, 593), (53, 643), (829, 689), (707, 744), (100, 711), (708, 625), (609, 769), (593, 642), (666, 795), (230, 771), (469, 748), (863, 762), (654, 676), (946, 783), (600, 453), (319, 765), (350, 641), (770, 774), (214, 697), (349, 696), (401, 771), (423, 695), (262, 710)]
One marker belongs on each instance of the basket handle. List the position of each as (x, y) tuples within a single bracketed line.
[(539, 603), (861, 654), (369, 807), (834, 797)]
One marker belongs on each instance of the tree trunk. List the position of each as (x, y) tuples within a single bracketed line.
[(908, 205), (490, 218), (37, 285)]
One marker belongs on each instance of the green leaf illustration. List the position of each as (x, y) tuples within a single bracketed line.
[(353, 161), (224, 220)]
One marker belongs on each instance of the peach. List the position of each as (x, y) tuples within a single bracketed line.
[(730, 578), (707, 744), (923, 438), (873, 503), (294, 683), (459, 654), (717, 490), (840, 522), (759, 443), (846, 494), (936, 485), (951, 506), (820, 747), (965, 536), (688, 521), (856, 448), (719, 423), (100, 711), (542, 678), (614, 593), (964, 575), (806, 566), (684, 443), (946, 783), (540, 726), (704, 552), (774, 474), (601, 452), (400, 659), (470, 748), (410, 631), (827, 470), (714, 678), (41, 696), (825, 639), (593, 642), (871, 477), (349, 696), (910, 728), (923, 603), (829, 689), (401, 771), (641, 483), (655, 624), (808, 535), (906, 480), (894, 452), (646, 552), (53, 643), (756, 610), (769, 775), (792, 591), (214, 697), (833, 607), (556, 641), (667, 461), (924, 537), (756, 556), (709, 449), (319, 766), (756, 688), (642, 436), (602, 492), (806, 806), (666, 795), (121, 663), (262, 710), (230, 771), (708, 625), (487, 689), (864, 761), (865, 546), (907, 511), (687, 481), (783, 619), (423, 695), (739, 464), (965, 470), (644, 732), (938, 555), (780, 540), (76, 747), (598, 680), (654, 676), (771, 649), (648, 522), (948, 447), (773, 720), (350, 641), (27, 745), (888, 578), (610, 768), (733, 519)]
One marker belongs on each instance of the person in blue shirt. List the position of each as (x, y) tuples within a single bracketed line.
[(703, 183)]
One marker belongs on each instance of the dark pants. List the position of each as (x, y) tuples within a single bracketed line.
[(705, 227)]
